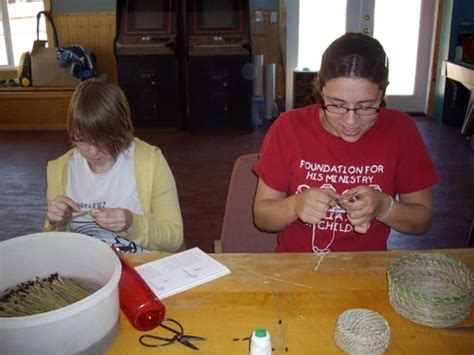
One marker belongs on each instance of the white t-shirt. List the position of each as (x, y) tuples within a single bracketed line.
[(112, 189)]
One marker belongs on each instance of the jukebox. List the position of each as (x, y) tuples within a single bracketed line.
[(147, 50), (218, 65)]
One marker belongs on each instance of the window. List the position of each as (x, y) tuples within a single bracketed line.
[(18, 29), (316, 35), (390, 15), (396, 26)]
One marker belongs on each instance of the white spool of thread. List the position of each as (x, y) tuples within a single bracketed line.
[(269, 90), (260, 342)]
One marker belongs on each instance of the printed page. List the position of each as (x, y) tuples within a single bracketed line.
[(181, 271)]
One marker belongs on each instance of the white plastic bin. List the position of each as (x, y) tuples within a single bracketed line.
[(87, 326)]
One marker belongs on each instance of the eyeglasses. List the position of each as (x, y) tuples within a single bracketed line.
[(341, 110)]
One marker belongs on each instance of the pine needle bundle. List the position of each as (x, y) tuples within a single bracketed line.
[(42, 295)]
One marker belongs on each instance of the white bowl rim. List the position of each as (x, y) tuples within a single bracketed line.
[(74, 308)]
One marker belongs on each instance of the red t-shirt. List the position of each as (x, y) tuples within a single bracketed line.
[(298, 153)]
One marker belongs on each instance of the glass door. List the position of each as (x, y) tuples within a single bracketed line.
[(405, 28)]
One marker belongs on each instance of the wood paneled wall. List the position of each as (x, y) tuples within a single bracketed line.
[(95, 31), (269, 38)]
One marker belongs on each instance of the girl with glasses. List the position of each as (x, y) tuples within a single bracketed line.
[(337, 176)]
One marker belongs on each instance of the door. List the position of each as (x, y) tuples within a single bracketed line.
[(405, 28)]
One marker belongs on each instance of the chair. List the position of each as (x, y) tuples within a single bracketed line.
[(239, 234)]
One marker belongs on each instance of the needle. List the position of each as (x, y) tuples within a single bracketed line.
[(347, 198), (80, 214)]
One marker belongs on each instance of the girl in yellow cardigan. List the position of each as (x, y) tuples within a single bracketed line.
[(111, 185)]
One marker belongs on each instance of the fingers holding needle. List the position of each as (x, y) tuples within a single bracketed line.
[(80, 214), (55, 226), (347, 198)]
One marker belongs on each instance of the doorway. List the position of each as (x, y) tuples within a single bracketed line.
[(405, 28)]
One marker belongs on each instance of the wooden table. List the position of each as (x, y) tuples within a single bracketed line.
[(298, 305)]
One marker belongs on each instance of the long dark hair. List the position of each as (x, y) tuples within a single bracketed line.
[(354, 55)]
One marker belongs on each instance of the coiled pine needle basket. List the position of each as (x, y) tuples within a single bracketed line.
[(430, 289), (362, 331)]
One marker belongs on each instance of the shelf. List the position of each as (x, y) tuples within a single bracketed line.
[(36, 108)]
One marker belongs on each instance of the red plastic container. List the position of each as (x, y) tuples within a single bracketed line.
[(141, 306)]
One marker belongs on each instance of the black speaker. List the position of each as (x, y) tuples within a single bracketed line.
[(151, 85), (219, 97)]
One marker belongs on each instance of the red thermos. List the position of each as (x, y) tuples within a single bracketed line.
[(141, 306)]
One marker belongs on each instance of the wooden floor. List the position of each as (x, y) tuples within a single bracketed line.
[(202, 163)]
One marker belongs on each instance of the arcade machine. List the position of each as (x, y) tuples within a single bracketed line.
[(219, 79), (147, 52)]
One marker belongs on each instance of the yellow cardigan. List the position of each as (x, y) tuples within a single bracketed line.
[(161, 225)]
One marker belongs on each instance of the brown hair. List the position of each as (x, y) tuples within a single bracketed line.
[(354, 55), (99, 114)]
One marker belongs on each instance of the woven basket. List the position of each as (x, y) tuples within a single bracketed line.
[(362, 331), (430, 289)]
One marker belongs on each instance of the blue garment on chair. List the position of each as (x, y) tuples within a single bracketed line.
[(82, 61)]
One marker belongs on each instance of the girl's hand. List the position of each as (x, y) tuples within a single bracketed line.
[(313, 204), (366, 204), (113, 219), (60, 209)]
